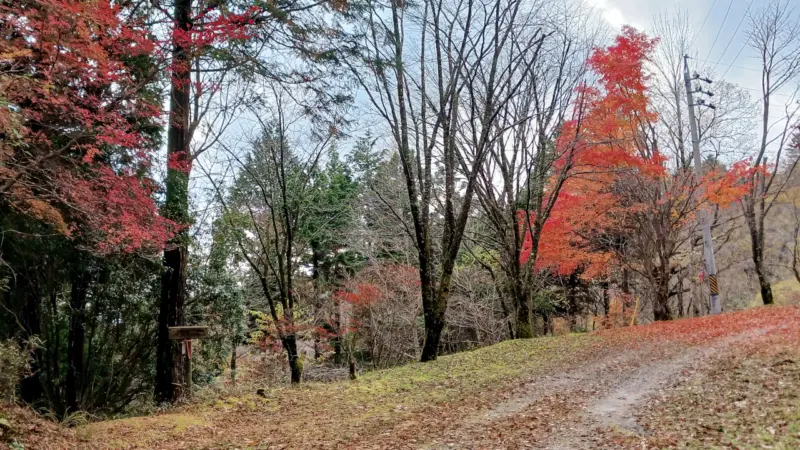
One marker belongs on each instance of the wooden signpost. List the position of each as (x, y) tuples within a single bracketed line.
[(186, 334)]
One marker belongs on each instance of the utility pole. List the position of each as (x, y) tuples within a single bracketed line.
[(708, 244)]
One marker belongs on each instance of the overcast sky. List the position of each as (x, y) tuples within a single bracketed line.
[(721, 26)]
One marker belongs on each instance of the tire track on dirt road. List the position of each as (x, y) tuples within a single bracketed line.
[(616, 408), (573, 409)]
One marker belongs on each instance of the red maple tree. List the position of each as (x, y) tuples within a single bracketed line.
[(74, 152), (623, 203)]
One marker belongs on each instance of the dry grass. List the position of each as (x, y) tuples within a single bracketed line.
[(749, 400), (345, 413), (412, 405)]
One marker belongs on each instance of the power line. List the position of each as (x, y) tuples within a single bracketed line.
[(708, 13), (734, 60), (771, 93), (743, 45), (734, 33), (735, 66), (719, 31)]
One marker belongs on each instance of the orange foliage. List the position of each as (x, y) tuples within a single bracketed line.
[(607, 152), (602, 141)]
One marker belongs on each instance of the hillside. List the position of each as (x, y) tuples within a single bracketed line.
[(651, 386)]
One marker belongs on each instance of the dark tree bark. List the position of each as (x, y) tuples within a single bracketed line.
[(233, 361), (661, 308), (625, 285), (755, 224), (524, 326), (571, 293), (76, 340), (31, 389), (352, 367), (662, 273), (295, 364), (434, 324), (660, 283), (169, 360), (796, 257)]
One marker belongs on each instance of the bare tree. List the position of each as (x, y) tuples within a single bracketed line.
[(675, 33), (658, 234), (725, 132), (437, 74), (517, 174), (266, 205), (775, 35)]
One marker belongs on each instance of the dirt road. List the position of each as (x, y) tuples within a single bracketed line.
[(579, 408)]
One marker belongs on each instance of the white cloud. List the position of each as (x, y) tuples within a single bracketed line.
[(614, 17), (610, 14)]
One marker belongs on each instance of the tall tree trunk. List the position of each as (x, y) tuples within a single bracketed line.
[(572, 295), (169, 360), (757, 250), (764, 285), (524, 326), (434, 324), (519, 294), (661, 308), (76, 339), (233, 361), (295, 364), (522, 299), (433, 311), (30, 387), (660, 282), (509, 319)]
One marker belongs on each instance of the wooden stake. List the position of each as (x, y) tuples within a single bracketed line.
[(635, 310)]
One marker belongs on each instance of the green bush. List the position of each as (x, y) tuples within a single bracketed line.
[(13, 363)]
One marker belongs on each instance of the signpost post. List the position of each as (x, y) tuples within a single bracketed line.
[(186, 334)]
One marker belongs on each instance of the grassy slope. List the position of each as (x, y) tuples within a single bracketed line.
[(786, 292), (410, 405), (342, 413)]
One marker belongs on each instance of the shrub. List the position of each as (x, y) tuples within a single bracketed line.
[(13, 363)]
